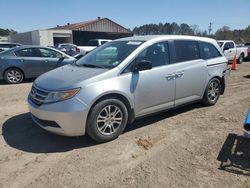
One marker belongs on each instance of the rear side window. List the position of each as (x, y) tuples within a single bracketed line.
[(24, 53), (226, 46), (103, 42), (186, 50), (231, 45), (208, 51)]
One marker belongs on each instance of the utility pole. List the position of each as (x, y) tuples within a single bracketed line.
[(210, 28)]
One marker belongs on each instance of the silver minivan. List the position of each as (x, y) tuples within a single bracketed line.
[(127, 79)]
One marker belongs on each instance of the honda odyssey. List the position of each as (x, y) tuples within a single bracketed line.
[(127, 79)]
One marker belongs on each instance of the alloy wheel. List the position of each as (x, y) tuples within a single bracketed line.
[(14, 76), (213, 91), (109, 119)]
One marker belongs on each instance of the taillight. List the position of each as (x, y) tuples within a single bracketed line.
[(78, 50), (248, 50)]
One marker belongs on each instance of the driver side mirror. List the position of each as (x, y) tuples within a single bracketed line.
[(143, 65)]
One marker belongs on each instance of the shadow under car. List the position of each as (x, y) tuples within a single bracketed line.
[(22, 133)]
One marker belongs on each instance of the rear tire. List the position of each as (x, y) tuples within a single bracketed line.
[(107, 120), (13, 76), (212, 92), (241, 59)]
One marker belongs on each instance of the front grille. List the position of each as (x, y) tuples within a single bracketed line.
[(37, 95), (46, 123)]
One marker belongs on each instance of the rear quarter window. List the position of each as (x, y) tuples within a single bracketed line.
[(186, 50), (208, 51)]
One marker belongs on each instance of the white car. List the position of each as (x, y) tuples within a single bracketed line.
[(230, 50), (92, 44)]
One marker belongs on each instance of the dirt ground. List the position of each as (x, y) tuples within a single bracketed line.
[(194, 146)]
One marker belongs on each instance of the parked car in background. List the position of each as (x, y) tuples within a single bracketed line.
[(248, 50), (22, 62), (230, 50), (68, 48), (92, 44), (127, 79), (6, 46)]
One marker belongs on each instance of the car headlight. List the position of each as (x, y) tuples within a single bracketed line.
[(61, 95)]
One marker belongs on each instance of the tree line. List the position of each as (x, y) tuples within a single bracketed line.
[(224, 33), (7, 32)]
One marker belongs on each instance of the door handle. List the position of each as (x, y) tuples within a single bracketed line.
[(46, 61), (179, 74), (171, 76), (22, 60)]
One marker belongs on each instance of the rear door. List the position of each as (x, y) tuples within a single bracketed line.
[(31, 61), (190, 70)]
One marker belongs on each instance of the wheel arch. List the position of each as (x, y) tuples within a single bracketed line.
[(122, 98), (14, 67), (222, 81)]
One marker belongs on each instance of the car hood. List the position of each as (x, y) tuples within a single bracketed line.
[(66, 77)]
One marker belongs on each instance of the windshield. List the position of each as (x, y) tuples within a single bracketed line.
[(93, 43), (220, 44), (8, 52), (109, 55)]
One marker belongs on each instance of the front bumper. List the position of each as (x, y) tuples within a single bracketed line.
[(66, 118)]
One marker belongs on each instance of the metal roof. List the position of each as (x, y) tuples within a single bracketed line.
[(97, 25)]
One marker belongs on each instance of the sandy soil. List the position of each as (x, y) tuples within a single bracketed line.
[(193, 146)]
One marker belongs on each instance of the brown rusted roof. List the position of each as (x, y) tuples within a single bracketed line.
[(97, 25)]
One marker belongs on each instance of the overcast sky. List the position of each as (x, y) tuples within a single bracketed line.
[(26, 15)]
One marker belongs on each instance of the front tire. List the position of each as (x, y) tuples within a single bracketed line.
[(13, 76), (107, 120), (212, 92)]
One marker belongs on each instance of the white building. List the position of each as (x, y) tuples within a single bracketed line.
[(43, 37), (4, 39)]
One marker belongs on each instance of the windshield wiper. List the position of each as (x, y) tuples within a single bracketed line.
[(92, 65)]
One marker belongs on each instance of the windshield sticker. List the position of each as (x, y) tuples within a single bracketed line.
[(134, 43)]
